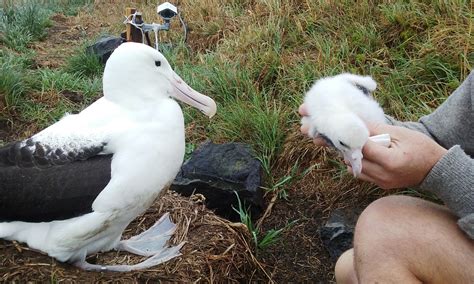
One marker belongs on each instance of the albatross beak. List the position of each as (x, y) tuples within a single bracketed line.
[(186, 94), (354, 156)]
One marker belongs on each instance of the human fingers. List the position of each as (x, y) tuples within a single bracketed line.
[(302, 110), (319, 141), (304, 128), (380, 128), (362, 176), (376, 153), (371, 170), (374, 171)]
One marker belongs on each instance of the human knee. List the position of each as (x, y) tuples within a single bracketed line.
[(378, 211), (344, 270), (384, 216), (407, 236), (380, 240)]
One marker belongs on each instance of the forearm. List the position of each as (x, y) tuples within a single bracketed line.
[(452, 123), (452, 180), (452, 126), (417, 126)]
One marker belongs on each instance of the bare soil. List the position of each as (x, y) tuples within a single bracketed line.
[(63, 38)]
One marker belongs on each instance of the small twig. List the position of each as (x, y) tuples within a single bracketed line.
[(184, 234), (17, 246), (261, 267), (228, 249), (37, 264), (268, 210)]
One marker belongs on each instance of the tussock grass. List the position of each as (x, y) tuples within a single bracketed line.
[(418, 52), (13, 85), (22, 24), (84, 63), (245, 113), (31, 98), (259, 123), (58, 80), (260, 241), (69, 7)]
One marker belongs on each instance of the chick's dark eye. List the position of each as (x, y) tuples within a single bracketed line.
[(158, 63), (342, 144)]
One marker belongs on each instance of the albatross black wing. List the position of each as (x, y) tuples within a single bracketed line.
[(41, 184)]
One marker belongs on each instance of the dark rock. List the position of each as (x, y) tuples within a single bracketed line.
[(105, 46), (217, 171), (338, 232)]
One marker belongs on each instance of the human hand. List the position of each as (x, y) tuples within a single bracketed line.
[(405, 163), (319, 141)]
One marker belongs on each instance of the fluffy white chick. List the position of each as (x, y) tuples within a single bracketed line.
[(339, 108)]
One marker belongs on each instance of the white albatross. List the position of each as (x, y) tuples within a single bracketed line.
[(71, 190), (339, 109)]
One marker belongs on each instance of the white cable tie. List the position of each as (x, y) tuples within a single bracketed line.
[(183, 24), (381, 139), (156, 38)]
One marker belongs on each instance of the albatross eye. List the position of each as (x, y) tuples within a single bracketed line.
[(342, 144), (158, 63)]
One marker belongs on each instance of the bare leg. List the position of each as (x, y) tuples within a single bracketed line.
[(163, 256), (152, 242), (344, 269), (402, 239)]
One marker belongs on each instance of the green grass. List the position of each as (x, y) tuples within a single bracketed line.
[(31, 96), (20, 87), (70, 7), (261, 240), (59, 80), (417, 51), (279, 185), (84, 63), (18, 84), (13, 85), (22, 24), (258, 122), (245, 114)]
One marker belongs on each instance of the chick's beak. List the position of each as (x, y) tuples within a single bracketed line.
[(354, 157)]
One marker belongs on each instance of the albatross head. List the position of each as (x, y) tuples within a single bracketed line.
[(349, 134), (139, 73)]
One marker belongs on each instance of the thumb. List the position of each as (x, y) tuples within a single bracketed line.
[(375, 152)]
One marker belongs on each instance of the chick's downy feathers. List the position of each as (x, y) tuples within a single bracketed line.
[(339, 109)]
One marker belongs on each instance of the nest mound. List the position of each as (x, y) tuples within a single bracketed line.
[(216, 250)]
